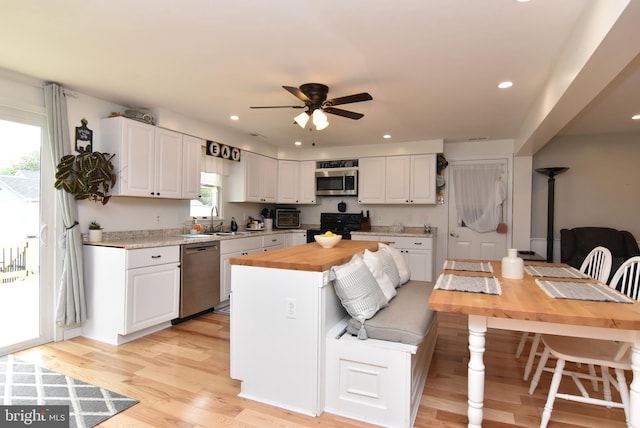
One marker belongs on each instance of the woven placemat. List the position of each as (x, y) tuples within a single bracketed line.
[(468, 266), (471, 284), (555, 272), (593, 291)]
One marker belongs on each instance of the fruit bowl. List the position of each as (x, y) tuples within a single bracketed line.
[(327, 241)]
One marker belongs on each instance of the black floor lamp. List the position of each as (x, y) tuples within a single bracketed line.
[(551, 173)]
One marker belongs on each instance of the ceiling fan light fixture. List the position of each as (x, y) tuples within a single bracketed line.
[(302, 119), (320, 119)]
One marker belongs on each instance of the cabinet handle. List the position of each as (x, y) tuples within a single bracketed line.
[(417, 243), (156, 257)]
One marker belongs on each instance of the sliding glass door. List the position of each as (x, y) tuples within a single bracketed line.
[(25, 288)]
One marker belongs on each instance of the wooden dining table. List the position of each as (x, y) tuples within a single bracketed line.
[(524, 306)]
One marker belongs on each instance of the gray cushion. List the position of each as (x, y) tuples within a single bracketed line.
[(357, 289), (407, 319)]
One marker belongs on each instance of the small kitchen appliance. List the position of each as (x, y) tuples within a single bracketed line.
[(287, 218)]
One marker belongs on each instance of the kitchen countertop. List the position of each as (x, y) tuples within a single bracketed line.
[(309, 257), (132, 240), (136, 240)]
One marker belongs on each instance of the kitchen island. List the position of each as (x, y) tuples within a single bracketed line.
[(282, 306)]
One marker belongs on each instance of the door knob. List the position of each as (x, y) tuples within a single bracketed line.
[(454, 235)]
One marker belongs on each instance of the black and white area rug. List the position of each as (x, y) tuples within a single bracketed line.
[(23, 383)]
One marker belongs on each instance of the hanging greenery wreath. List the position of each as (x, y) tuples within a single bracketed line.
[(86, 176)]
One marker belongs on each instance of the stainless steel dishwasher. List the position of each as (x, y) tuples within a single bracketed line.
[(199, 278)]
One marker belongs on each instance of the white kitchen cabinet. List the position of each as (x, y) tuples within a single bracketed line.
[(230, 248), (307, 182), (253, 179), (371, 180), (417, 251), (148, 161), (167, 174), (296, 182), (296, 238), (406, 179), (273, 242), (130, 293), (191, 160)]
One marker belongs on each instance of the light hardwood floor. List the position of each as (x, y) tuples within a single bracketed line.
[(181, 377)]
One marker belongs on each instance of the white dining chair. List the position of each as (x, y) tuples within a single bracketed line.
[(604, 353), (597, 265)]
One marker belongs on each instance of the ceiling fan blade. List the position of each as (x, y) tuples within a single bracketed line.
[(355, 98), (297, 93), (343, 113), (277, 107)]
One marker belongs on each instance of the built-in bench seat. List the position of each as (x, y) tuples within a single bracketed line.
[(380, 379)]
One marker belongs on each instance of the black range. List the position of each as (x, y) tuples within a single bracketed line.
[(338, 223)]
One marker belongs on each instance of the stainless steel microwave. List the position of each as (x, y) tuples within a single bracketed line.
[(337, 181)]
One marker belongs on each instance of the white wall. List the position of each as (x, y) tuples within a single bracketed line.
[(599, 189)]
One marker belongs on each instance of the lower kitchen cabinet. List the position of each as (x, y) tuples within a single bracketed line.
[(296, 238), (417, 251), (130, 293), (230, 248)]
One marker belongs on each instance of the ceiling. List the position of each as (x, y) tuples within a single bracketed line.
[(432, 66)]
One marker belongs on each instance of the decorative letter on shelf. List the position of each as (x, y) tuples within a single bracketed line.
[(223, 151)]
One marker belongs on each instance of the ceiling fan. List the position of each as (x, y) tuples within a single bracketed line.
[(314, 96)]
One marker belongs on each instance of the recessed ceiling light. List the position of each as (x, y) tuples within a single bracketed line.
[(387, 136), (234, 117), (635, 117), (505, 85), (298, 143)]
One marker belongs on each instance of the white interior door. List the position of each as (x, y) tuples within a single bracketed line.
[(465, 243)]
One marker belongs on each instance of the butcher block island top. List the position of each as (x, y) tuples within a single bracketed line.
[(309, 257)]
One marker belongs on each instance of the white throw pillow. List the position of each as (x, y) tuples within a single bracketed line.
[(358, 290), (401, 263), (390, 267), (374, 263)]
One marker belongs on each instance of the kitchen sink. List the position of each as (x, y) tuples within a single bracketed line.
[(231, 233), (194, 235)]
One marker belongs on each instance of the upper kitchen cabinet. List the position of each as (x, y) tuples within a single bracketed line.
[(149, 160), (406, 179), (253, 179), (191, 160), (371, 180), (296, 182), (411, 179)]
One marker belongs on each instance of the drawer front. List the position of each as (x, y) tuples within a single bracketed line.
[(152, 256), (235, 245), (272, 240), (408, 242)]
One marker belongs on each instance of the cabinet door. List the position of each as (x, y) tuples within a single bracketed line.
[(168, 155), (253, 177), (423, 179), (296, 238), (152, 296), (307, 182), (137, 163), (420, 264), (288, 172), (225, 271), (191, 159), (371, 180), (398, 176), (270, 179)]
